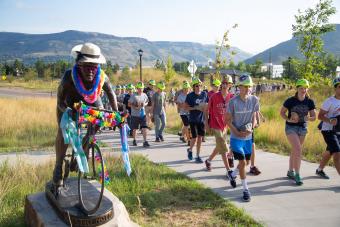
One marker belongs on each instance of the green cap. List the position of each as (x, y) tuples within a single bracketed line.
[(196, 81), (161, 85), (216, 82), (140, 85), (302, 83), (185, 84), (130, 87), (152, 82), (245, 80)]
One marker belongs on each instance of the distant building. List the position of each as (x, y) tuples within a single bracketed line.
[(276, 71)]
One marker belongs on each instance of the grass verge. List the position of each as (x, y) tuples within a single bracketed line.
[(154, 195)]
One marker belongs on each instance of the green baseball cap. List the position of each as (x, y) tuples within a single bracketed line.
[(302, 83), (216, 82), (245, 80)]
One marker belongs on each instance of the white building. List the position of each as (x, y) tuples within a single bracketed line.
[(276, 71)]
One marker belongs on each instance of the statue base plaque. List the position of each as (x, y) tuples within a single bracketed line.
[(67, 208)]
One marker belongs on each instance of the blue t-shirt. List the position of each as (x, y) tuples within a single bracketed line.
[(196, 116), (300, 107)]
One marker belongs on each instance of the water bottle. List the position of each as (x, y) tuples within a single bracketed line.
[(142, 112)]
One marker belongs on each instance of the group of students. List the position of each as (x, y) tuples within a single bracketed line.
[(144, 104), (301, 110), (216, 111)]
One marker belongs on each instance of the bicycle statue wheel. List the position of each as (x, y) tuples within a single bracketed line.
[(90, 197)]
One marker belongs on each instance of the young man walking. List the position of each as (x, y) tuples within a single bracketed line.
[(239, 117)]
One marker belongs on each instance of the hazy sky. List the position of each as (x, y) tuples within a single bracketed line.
[(262, 23)]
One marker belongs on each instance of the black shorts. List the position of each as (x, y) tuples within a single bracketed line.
[(138, 121), (197, 129), (332, 140), (185, 120), (240, 156)]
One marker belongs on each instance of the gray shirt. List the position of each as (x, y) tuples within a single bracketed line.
[(134, 99), (181, 99), (158, 101), (242, 112)]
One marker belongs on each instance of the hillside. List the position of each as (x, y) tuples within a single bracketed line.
[(288, 48), (121, 50)]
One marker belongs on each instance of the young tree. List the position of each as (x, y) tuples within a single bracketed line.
[(310, 26), (115, 68), (169, 71)]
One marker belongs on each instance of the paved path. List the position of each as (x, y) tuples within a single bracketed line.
[(21, 92), (276, 201)]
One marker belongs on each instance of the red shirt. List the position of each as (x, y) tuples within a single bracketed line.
[(217, 108), (210, 93)]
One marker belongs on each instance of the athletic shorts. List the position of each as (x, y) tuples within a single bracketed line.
[(185, 120), (137, 122), (299, 130), (220, 137), (197, 129), (241, 148), (332, 140)]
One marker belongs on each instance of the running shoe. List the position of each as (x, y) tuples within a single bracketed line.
[(134, 143), (255, 171), (157, 140), (161, 138), (146, 144), (246, 196), (208, 164), (231, 178), (189, 154), (291, 175), (322, 174), (298, 180), (198, 159), (182, 139)]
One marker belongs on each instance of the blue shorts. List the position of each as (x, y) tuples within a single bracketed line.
[(241, 148)]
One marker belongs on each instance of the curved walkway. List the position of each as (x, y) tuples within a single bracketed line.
[(276, 201)]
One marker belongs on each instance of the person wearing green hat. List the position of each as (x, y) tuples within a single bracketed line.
[(149, 91), (130, 89), (183, 112), (158, 111), (239, 117), (301, 109), (214, 88), (138, 102), (196, 103), (330, 116)]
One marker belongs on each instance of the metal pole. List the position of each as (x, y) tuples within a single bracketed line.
[(140, 67)]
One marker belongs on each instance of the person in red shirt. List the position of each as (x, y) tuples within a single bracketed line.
[(214, 88), (216, 122)]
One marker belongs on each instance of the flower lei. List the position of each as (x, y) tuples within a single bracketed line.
[(90, 96)]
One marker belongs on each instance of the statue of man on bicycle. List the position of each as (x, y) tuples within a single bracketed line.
[(84, 83)]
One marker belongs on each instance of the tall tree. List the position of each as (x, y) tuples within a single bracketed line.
[(169, 70), (310, 26)]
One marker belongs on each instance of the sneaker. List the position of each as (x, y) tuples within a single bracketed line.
[(146, 144), (182, 139), (208, 164), (246, 196), (179, 133), (198, 159), (203, 139), (134, 143), (291, 175), (189, 154), (157, 140), (231, 178), (322, 174), (161, 138), (298, 180), (255, 171)]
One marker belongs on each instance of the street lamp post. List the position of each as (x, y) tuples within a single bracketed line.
[(140, 52)]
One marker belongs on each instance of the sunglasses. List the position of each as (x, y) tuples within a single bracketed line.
[(89, 68), (197, 86)]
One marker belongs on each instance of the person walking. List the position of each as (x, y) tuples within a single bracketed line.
[(149, 91), (196, 103), (138, 101), (215, 121), (330, 116), (158, 111), (301, 109), (184, 114), (239, 117)]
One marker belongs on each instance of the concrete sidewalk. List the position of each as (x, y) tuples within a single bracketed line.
[(276, 201)]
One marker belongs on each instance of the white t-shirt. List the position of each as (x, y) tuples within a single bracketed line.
[(332, 106)]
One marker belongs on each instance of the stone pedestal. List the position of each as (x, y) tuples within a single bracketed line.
[(39, 212)]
